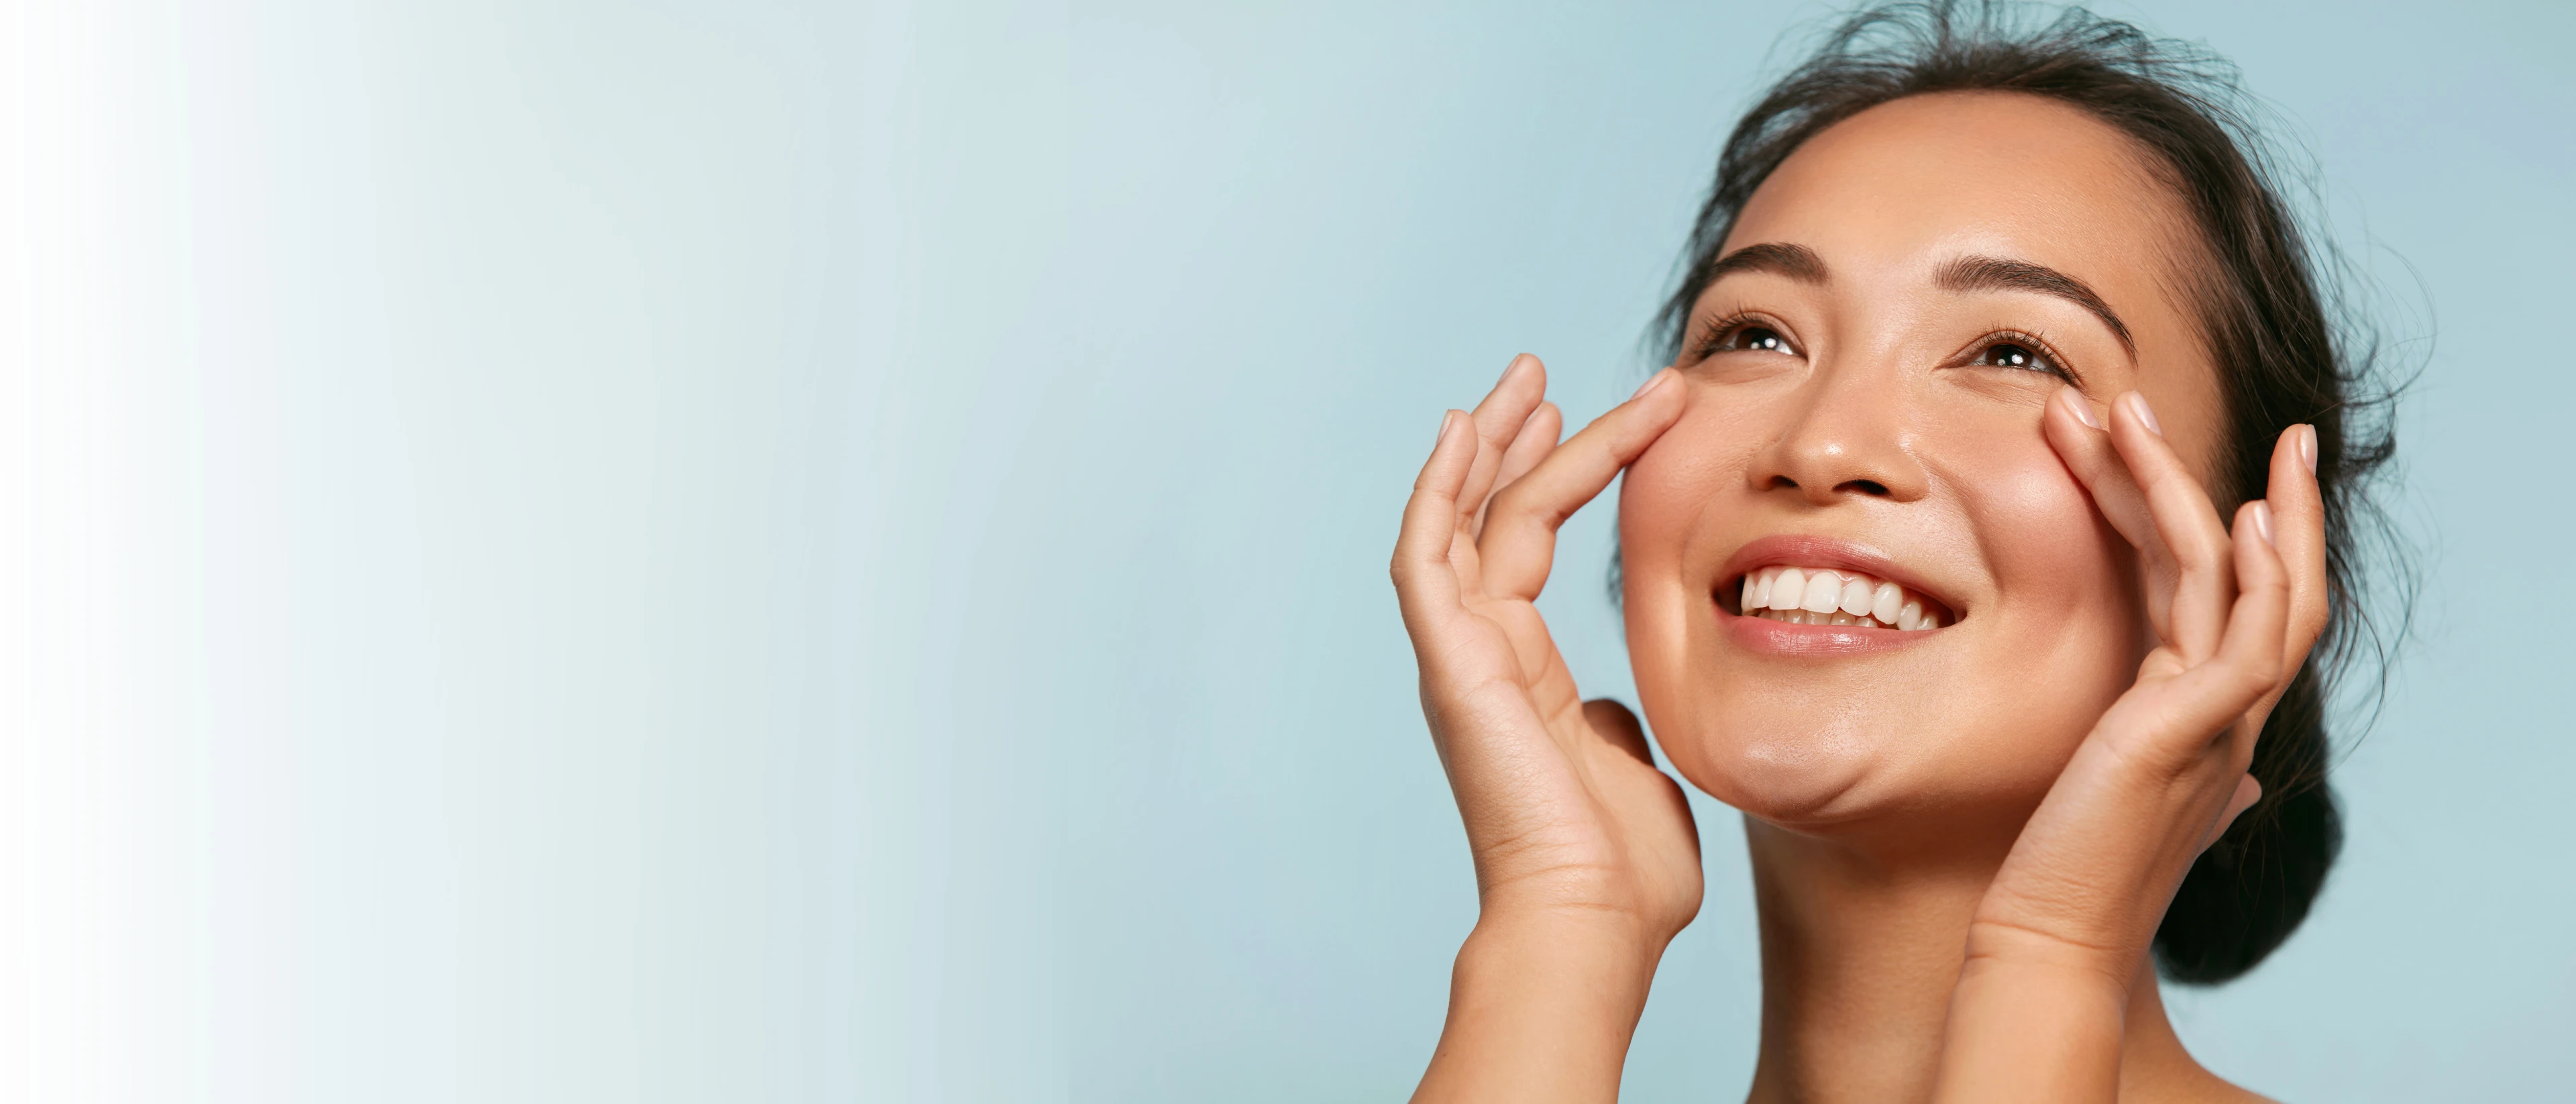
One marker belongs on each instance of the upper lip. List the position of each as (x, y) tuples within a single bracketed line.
[(1800, 550)]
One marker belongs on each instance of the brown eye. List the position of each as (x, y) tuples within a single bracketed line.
[(1750, 337), (1758, 337), (2007, 354)]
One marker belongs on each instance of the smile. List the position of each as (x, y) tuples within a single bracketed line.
[(1837, 596)]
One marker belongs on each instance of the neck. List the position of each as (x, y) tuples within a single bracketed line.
[(1860, 950)]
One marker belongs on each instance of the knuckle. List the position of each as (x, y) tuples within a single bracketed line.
[(1511, 504)]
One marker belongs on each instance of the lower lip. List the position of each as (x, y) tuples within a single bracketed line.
[(1762, 634)]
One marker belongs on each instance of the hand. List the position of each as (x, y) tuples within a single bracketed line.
[(2065, 927), (1587, 860)]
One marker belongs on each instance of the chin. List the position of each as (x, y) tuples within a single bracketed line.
[(1790, 775), (1868, 771)]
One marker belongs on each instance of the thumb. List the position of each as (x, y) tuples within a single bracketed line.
[(1619, 726)]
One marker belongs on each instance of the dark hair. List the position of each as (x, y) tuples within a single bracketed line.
[(2287, 346)]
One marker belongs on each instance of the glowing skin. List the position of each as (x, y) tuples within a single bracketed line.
[(2002, 666), (1973, 500)]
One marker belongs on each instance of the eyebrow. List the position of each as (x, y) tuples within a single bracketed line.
[(1796, 262), (1974, 273)]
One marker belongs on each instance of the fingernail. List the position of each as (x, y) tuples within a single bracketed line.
[(2082, 410), (2308, 447), (2263, 521), (1448, 421), (1510, 368), (2138, 406), (1652, 382)]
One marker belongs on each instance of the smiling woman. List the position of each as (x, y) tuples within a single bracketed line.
[(1982, 336)]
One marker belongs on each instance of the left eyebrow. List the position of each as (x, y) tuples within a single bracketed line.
[(1970, 274)]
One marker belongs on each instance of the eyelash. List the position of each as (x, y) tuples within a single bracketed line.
[(2050, 362)]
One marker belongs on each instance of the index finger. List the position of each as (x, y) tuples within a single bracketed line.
[(2187, 524), (1519, 541)]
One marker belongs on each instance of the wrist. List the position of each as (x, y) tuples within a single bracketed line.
[(1591, 968), (1588, 914), (1541, 1008), (2032, 1029)]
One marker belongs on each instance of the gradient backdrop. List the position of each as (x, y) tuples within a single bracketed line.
[(692, 551)]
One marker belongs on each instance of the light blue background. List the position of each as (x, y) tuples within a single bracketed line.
[(779, 551)]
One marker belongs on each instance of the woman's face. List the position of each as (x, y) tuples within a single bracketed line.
[(1866, 378)]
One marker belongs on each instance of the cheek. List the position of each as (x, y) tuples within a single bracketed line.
[(2055, 560), (1671, 485), (2067, 616), (1662, 497)]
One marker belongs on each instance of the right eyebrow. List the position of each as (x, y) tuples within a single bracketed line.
[(1796, 262)]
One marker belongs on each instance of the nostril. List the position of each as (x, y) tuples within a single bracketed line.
[(1868, 487)]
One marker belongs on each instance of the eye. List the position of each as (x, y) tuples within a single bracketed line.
[(1745, 336), (1757, 337), (2013, 354)]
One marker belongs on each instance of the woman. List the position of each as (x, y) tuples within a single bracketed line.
[(1976, 544)]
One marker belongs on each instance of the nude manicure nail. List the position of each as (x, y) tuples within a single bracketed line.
[(1652, 382), (2082, 410), (1446, 421), (2263, 521), (1510, 368), (2138, 406), (2308, 447)]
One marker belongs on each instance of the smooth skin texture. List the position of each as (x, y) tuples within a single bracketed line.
[(1962, 844)]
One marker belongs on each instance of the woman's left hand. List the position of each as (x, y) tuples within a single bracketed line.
[(2064, 930)]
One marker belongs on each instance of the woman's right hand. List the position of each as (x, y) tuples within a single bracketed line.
[(1587, 860)]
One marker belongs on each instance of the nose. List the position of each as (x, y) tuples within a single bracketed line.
[(1842, 435)]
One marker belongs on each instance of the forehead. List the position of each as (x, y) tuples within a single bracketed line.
[(1895, 190)]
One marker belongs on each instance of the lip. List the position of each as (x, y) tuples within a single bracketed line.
[(1761, 634)]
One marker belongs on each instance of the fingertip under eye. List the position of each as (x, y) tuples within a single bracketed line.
[(2075, 404), (2146, 415)]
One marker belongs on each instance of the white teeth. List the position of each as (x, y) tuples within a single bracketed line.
[(1856, 597), (1788, 588), (1824, 593), (1819, 596)]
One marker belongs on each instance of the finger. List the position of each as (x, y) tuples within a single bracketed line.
[(2186, 524), (1519, 542), (2078, 431), (1538, 438), (2299, 534), (1619, 726), (2247, 664), (1498, 422), (2260, 620), (1425, 585)]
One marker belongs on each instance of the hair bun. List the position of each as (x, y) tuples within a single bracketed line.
[(2250, 890)]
